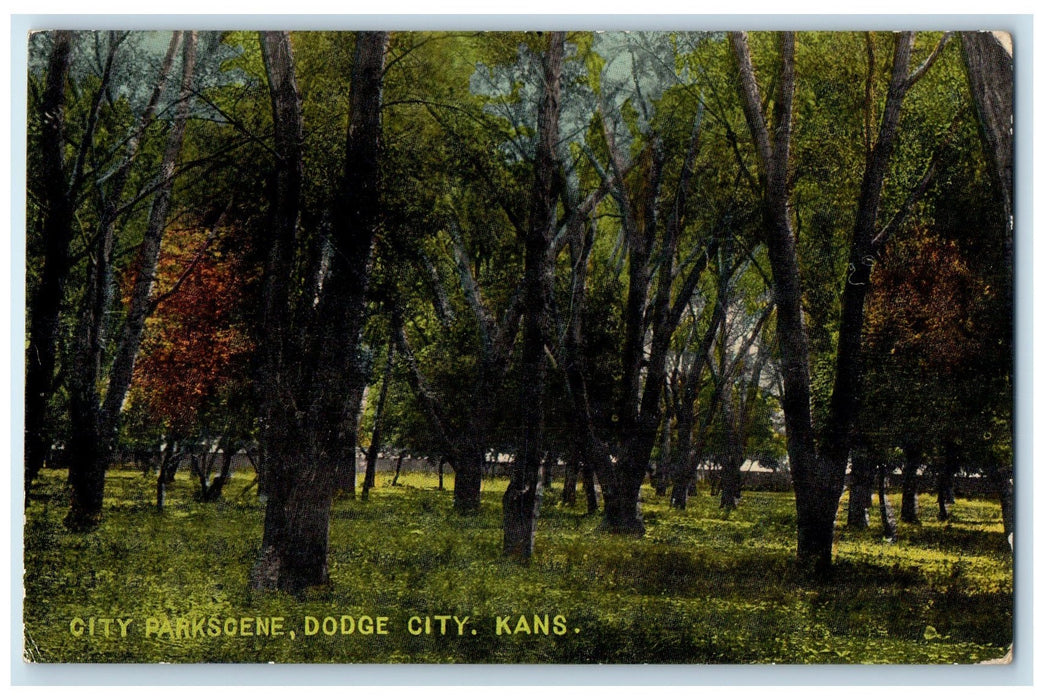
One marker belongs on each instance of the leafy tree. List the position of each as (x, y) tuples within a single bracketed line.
[(312, 371), (818, 470)]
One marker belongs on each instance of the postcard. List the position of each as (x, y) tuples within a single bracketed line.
[(527, 347)]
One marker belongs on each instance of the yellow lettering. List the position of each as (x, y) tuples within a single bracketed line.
[(502, 625), (311, 625), (76, 627), (181, 627)]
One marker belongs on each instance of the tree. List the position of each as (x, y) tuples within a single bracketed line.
[(313, 375), (988, 59), (95, 419), (190, 380), (58, 200), (522, 497), (819, 470)]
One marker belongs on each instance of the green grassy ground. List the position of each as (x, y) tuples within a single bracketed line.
[(700, 587)]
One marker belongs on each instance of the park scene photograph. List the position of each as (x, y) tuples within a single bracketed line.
[(534, 347)]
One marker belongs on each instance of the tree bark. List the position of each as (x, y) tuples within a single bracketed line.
[(523, 495), (45, 301), (990, 71)]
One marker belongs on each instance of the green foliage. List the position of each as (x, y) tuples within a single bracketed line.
[(699, 588)]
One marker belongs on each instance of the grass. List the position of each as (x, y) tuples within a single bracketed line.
[(700, 587)]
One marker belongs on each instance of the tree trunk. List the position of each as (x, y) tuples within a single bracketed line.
[(944, 480), (378, 417), (569, 484), (523, 495), (888, 524), (550, 463), (860, 491), (587, 473), (991, 76), (620, 493), (731, 483), (88, 462), (169, 461), (45, 300), (909, 512), (296, 531), (990, 68), (398, 469), (217, 484)]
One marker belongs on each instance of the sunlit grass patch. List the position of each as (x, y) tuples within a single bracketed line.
[(700, 587)]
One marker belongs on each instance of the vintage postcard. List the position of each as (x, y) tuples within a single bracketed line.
[(534, 347)]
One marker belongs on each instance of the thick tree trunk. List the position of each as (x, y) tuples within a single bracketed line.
[(990, 68), (89, 458), (731, 481), (45, 300), (815, 492), (682, 488), (467, 481), (296, 531), (523, 495), (620, 494)]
